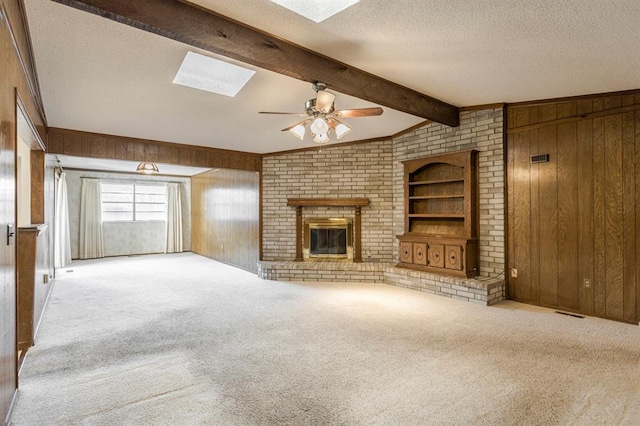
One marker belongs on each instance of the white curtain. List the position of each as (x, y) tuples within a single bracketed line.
[(174, 219), (62, 244), (91, 240)]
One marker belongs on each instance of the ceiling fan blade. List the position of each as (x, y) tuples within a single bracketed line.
[(303, 122), (284, 113), (361, 112), (324, 101)]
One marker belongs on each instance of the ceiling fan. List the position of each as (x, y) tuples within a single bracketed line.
[(322, 116)]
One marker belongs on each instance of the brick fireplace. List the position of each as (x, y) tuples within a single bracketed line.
[(328, 224), (374, 169)]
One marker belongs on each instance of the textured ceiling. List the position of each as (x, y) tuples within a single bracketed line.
[(100, 76)]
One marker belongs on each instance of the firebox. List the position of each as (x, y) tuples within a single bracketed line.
[(328, 239)]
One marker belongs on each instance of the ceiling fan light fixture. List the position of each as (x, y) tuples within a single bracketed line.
[(324, 101), (341, 129), (322, 117), (319, 126), (321, 138), (147, 168), (299, 130)]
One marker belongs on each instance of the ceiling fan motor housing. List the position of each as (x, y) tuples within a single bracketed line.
[(311, 109)]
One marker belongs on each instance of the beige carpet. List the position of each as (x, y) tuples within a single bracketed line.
[(180, 339)]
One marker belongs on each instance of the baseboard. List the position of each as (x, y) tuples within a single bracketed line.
[(7, 420), (44, 308)]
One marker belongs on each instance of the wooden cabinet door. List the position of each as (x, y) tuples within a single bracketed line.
[(406, 252), (436, 255), (420, 253), (453, 258)]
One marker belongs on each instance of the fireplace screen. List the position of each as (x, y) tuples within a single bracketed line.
[(328, 238), (328, 241)]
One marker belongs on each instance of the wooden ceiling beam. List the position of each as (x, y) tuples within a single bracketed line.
[(202, 28)]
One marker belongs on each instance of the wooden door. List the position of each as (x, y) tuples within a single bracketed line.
[(8, 353), (573, 221), (8, 360)]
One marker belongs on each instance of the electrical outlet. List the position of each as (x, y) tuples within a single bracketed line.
[(586, 283), (514, 273)]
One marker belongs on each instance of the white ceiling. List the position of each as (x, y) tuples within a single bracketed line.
[(100, 76)]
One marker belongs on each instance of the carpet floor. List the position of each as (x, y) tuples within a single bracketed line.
[(181, 339)]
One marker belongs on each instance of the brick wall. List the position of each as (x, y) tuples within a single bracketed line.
[(375, 171), (481, 130), (363, 170)]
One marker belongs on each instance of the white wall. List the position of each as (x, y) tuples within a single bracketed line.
[(126, 238)]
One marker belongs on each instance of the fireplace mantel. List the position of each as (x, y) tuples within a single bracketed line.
[(356, 203), (330, 202)]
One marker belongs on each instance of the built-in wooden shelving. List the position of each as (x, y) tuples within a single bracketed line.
[(441, 214)]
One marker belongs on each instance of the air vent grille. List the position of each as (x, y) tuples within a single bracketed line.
[(540, 158)]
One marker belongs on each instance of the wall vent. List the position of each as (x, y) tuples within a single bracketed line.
[(540, 158)]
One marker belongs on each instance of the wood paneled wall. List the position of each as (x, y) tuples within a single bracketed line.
[(85, 144), (574, 221), (225, 217), (17, 78)]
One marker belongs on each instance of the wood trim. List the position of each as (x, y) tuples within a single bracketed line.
[(632, 92), (30, 76), (14, 398), (133, 174), (33, 74), (37, 184), (299, 256), (558, 122), (205, 29), (410, 129), (637, 200), (322, 147), (260, 213), (542, 125), (328, 202), (482, 107), (357, 227), (35, 142), (97, 145), (505, 162), (575, 311)]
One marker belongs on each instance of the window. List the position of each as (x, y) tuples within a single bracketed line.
[(133, 202)]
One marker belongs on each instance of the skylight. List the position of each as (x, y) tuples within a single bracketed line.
[(316, 10), (212, 75)]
